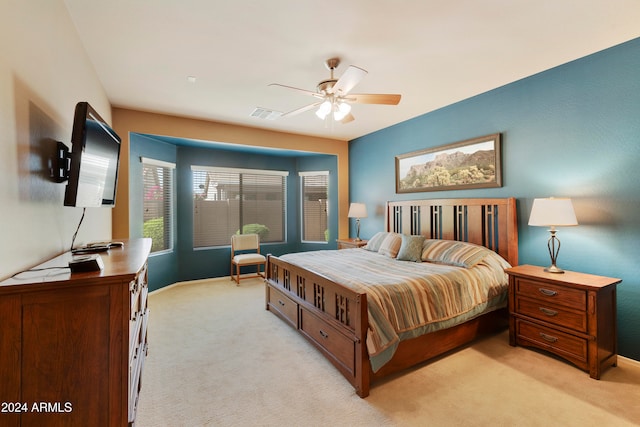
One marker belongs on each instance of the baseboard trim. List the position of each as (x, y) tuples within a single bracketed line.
[(194, 282), (630, 361)]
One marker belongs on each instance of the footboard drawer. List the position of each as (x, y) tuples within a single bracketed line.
[(338, 346), (282, 305)]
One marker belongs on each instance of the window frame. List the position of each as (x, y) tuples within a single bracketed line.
[(239, 171), (302, 176), (168, 207)]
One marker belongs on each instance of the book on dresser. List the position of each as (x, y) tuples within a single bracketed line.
[(73, 345)]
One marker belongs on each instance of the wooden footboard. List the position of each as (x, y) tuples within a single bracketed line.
[(331, 317), (334, 318)]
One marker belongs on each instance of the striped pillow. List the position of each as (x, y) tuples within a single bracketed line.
[(451, 252), (390, 245), (374, 243)]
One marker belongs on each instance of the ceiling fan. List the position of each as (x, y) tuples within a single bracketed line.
[(334, 97)]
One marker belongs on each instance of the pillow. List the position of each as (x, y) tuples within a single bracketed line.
[(451, 252), (374, 243), (411, 248), (390, 245)]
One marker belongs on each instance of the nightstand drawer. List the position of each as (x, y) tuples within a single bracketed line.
[(565, 345), (559, 295), (558, 315)]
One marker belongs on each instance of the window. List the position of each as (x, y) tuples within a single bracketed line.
[(227, 200), (157, 203), (314, 206)]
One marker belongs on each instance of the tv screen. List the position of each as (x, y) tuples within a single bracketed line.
[(95, 156)]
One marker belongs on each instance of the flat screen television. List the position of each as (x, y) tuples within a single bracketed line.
[(94, 161)]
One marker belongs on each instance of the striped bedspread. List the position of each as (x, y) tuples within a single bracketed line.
[(407, 299)]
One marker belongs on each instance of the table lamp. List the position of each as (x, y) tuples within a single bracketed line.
[(552, 213), (357, 211)]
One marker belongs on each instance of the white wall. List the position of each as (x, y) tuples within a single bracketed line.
[(44, 72)]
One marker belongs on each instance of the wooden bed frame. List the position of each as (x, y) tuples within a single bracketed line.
[(334, 318)]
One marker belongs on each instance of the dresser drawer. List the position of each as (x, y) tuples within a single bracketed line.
[(339, 346), (556, 314), (283, 305), (564, 345), (135, 381), (138, 332), (135, 328), (138, 290), (144, 296), (134, 298), (554, 294)]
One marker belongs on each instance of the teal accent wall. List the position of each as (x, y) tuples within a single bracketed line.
[(186, 263), (571, 131), (162, 266)]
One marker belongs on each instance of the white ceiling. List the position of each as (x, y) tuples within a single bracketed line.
[(433, 52)]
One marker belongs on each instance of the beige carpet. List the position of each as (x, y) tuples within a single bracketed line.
[(217, 357)]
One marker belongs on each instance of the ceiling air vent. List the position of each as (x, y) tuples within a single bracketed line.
[(263, 113)]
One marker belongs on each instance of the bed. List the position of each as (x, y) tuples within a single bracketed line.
[(325, 296)]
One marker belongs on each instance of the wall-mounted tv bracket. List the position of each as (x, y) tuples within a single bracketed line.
[(61, 163)]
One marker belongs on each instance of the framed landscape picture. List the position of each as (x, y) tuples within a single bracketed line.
[(474, 163)]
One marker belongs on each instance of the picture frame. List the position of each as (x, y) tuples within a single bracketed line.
[(469, 164)]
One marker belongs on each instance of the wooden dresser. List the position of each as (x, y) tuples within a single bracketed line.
[(72, 346), (572, 315)]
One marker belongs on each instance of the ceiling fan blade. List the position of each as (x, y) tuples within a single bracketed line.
[(348, 80), (301, 109), (374, 98), (348, 118), (304, 91)]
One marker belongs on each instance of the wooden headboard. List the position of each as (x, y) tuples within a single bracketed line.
[(488, 222)]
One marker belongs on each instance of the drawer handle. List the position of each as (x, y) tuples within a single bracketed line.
[(547, 292), (548, 338), (281, 302), (548, 312), (324, 334)]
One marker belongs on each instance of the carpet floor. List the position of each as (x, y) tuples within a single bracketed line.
[(218, 358)]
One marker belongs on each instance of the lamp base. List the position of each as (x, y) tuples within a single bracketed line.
[(553, 244), (553, 269)]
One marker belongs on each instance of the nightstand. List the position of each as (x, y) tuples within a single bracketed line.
[(350, 243), (572, 315)]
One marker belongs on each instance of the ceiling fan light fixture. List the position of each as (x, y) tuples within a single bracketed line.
[(341, 111), (332, 95), (324, 110)]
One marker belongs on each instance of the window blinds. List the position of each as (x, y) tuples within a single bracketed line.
[(314, 206), (157, 203), (230, 200)]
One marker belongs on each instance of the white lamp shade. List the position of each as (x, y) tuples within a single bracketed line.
[(554, 212), (357, 210), (325, 108), (341, 111)]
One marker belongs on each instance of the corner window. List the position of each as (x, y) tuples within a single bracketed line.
[(157, 203), (314, 206)]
